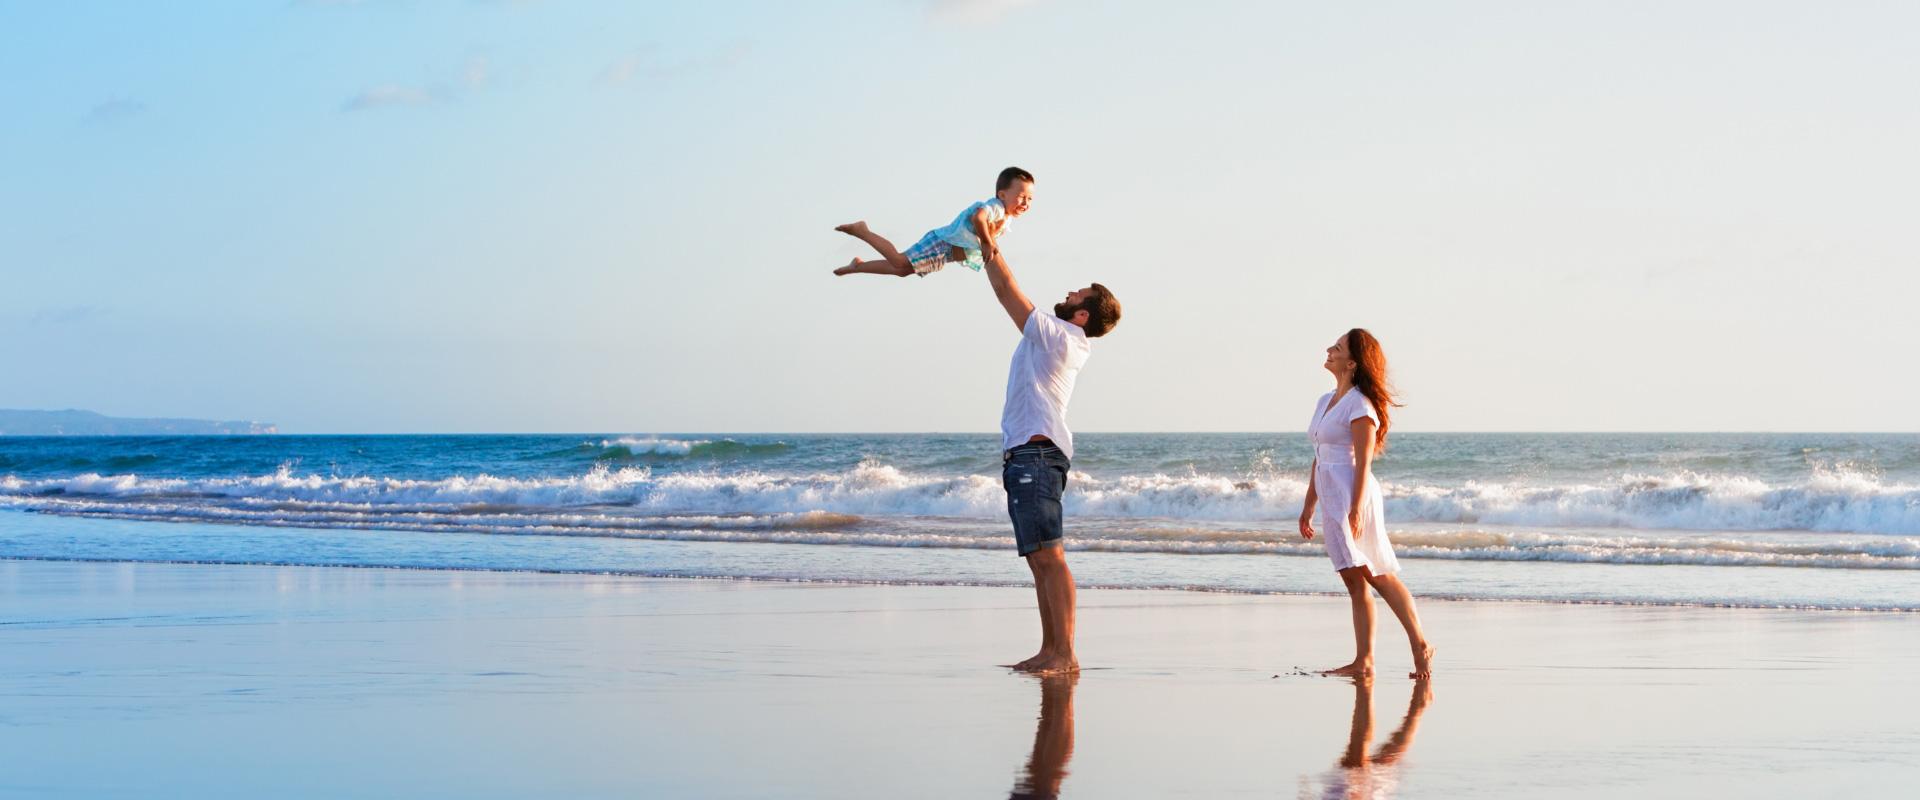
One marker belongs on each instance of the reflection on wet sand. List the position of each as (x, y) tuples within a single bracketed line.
[(1359, 775), (1052, 741)]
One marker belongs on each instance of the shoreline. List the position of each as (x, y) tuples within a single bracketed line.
[(1011, 584)]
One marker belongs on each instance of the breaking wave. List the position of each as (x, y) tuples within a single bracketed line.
[(1844, 520), (1829, 501)]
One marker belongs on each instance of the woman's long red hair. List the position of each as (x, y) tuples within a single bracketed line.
[(1370, 379)]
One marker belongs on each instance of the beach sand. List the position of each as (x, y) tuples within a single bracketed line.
[(142, 680)]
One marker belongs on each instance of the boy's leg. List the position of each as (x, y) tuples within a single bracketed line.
[(859, 230), (857, 267)]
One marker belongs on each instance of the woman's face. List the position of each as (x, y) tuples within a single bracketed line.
[(1339, 361)]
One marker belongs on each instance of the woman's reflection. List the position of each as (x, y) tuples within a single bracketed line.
[(1360, 775), (1052, 740)]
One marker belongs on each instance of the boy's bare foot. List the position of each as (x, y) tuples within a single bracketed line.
[(851, 267), (1357, 669), (852, 228), (1422, 663)]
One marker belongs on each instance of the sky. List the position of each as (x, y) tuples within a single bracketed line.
[(564, 216)]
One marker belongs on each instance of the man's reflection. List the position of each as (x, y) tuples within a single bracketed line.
[(1052, 740), (1372, 776)]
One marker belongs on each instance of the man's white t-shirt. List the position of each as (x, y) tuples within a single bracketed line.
[(1051, 353)]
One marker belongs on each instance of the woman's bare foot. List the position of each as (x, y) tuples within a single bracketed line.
[(1422, 663), (851, 267), (1357, 669), (853, 228)]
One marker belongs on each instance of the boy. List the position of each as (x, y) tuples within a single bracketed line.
[(971, 239)]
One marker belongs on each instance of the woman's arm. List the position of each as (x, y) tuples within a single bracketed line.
[(1313, 499), (1362, 470)]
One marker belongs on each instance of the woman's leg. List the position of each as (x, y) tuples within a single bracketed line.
[(1356, 580), (1401, 601)]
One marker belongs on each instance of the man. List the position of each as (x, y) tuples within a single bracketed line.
[(1036, 445)]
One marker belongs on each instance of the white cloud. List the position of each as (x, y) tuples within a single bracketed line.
[(623, 70), (974, 11), (475, 74), (62, 315), (646, 63), (388, 96), (115, 110)]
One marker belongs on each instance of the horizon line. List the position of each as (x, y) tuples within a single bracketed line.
[(285, 434)]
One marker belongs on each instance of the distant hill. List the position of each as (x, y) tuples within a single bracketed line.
[(73, 422)]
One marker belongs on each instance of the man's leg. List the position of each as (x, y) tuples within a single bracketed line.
[(1054, 584), (1046, 631), (1052, 739)]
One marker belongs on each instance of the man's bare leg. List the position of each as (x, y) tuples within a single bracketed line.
[(1046, 631), (1362, 665), (1052, 578), (1401, 601), (1052, 739), (890, 254)]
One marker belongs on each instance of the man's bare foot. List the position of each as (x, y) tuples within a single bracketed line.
[(851, 267), (1028, 663), (1422, 663), (852, 228), (1054, 665), (1357, 669)]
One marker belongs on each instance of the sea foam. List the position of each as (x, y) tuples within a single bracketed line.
[(1831, 501)]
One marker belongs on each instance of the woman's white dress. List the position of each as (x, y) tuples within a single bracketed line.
[(1332, 435)]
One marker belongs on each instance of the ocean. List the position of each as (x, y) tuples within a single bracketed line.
[(1816, 521)]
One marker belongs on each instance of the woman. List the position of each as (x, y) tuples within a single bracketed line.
[(1349, 426)]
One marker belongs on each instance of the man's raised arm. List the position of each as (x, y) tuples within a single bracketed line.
[(1011, 298)]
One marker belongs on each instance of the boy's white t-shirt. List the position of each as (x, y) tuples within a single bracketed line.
[(1040, 381)]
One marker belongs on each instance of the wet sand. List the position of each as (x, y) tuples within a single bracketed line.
[(139, 680)]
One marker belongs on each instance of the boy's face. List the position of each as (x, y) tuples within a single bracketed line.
[(1017, 197)]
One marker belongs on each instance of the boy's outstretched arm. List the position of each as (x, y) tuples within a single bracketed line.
[(1011, 298)]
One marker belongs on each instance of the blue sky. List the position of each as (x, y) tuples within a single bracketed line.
[(425, 216)]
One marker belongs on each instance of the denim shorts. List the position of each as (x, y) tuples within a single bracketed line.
[(1035, 475)]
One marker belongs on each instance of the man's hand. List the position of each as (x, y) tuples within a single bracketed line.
[(1306, 524)]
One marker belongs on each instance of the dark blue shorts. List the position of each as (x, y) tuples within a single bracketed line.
[(1035, 475)]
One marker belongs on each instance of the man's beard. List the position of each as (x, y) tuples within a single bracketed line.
[(1065, 310)]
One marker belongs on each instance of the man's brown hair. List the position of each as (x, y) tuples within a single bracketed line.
[(1009, 175), (1103, 312)]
